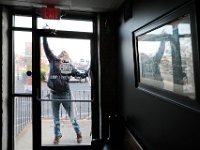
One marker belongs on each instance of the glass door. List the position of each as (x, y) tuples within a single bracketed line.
[(22, 93), (65, 91), (73, 47)]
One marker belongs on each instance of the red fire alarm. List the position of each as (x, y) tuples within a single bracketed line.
[(51, 13)]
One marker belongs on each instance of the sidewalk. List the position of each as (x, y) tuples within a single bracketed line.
[(24, 140)]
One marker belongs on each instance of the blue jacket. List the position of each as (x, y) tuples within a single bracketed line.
[(57, 81)]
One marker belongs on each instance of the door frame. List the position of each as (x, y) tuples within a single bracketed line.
[(37, 86), (36, 34)]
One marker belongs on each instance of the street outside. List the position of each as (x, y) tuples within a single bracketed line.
[(23, 106)]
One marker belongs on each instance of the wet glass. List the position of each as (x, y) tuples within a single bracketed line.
[(166, 58)]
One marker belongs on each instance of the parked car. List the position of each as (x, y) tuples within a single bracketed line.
[(80, 74)]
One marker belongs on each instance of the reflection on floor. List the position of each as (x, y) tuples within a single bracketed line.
[(24, 140)]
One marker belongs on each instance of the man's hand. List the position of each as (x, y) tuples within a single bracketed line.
[(46, 27)]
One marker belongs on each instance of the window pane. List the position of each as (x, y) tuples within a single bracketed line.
[(60, 107), (23, 61), (166, 58), (23, 123), (22, 21), (66, 25)]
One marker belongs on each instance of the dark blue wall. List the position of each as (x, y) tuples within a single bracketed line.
[(156, 123)]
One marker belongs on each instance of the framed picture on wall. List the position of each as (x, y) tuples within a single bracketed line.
[(166, 55)]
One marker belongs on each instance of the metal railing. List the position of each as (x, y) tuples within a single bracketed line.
[(23, 112), (23, 108)]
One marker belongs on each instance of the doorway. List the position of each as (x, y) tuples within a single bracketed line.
[(76, 53), (33, 117)]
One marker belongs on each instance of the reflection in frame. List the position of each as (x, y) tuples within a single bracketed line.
[(166, 57)]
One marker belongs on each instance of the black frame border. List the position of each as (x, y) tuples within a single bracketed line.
[(183, 101)]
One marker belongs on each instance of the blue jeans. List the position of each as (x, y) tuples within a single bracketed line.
[(70, 110)]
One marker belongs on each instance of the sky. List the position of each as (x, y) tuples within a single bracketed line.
[(151, 47), (76, 48)]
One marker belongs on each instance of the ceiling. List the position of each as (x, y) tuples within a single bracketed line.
[(79, 5)]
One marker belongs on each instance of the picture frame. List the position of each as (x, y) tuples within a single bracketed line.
[(166, 57)]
